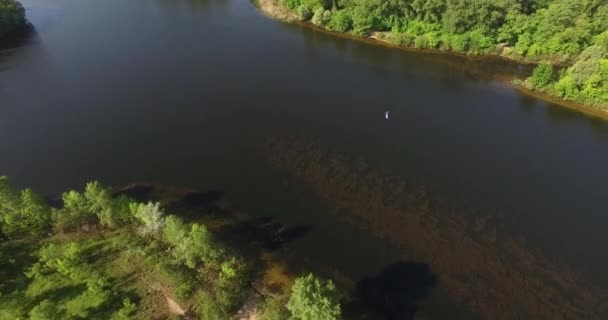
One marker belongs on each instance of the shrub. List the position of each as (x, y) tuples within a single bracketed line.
[(45, 310), (274, 309), (340, 21), (314, 299), (292, 4), (321, 16), (126, 312), (542, 75), (76, 211), (22, 212), (150, 218), (63, 259), (421, 41), (402, 39), (459, 43), (190, 245), (109, 211), (304, 13), (317, 3), (208, 308)]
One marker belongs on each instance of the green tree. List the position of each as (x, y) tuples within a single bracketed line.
[(150, 217), (274, 309), (45, 310), (12, 17), (292, 4), (126, 311), (341, 21), (22, 212), (314, 299), (190, 244), (542, 75), (321, 16)]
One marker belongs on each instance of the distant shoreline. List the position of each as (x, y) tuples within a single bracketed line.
[(276, 10)]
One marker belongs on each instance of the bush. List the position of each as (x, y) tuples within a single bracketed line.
[(274, 309), (45, 310), (542, 75), (459, 43), (314, 299), (22, 212), (292, 4), (109, 211), (190, 244), (63, 259), (421, 42), (321, 16), (150, 218), (340, 21), (208, 308), (325, 4), (402, 39), (126, 312), (304, 13)]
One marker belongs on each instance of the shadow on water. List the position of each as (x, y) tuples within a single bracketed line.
[(266, 232), (394, 293), (198, 199), (17, 39), (140, 193)]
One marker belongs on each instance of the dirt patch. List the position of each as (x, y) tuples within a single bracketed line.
[(174, 307), (275, 9)]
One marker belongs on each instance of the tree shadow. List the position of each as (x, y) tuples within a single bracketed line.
[(394, 293), (17, 39), (139, 192), (200, 199), (264, 232)]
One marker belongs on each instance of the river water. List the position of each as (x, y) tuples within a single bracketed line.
[(182, 92)]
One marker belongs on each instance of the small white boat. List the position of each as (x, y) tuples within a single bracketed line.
[(386, 115)]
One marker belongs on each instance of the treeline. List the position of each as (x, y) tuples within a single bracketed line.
[(586, 81), (12, 17), (99, 255), (561, 32)]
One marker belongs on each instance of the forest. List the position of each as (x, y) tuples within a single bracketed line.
[(99, 254), (570, 35), (12, 17)]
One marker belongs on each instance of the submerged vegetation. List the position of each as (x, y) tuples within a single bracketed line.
[(572, 35), (12, 17), (104, 255), (489, 271)]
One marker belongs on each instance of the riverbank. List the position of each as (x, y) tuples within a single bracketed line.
[(119, 254), (277, 10)]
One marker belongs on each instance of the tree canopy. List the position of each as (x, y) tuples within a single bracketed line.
[(313, 298), (563, 32), (12, 17)]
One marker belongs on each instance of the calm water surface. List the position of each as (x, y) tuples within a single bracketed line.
[(180, 91)]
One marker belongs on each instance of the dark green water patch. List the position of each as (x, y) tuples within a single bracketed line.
[(494, 274)]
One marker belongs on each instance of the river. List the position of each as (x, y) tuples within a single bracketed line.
[(183, 92)]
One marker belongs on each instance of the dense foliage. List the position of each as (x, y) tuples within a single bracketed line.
[(557, 29), (586, 81), (314, 299), (12, 17), (561, 31), (100, 255)]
